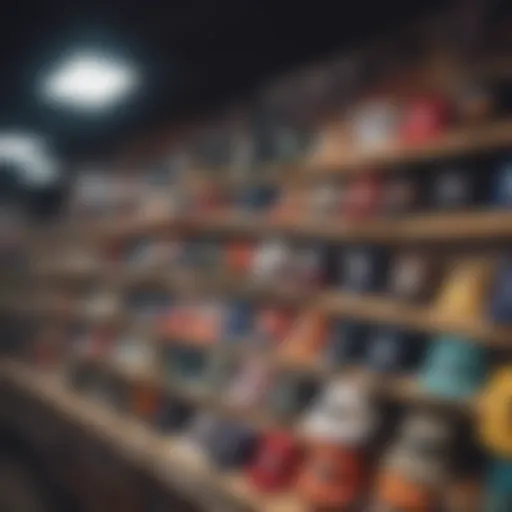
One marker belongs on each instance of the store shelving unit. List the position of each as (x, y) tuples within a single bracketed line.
[(170, 459)]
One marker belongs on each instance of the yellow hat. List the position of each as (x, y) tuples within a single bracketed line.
[(464, 293), (495, 425)]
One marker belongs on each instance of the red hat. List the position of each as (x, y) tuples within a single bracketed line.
[(333, 476), (424, 119), (276, 464), (363, 196)]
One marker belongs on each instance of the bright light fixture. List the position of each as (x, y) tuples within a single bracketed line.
[(90, 81)]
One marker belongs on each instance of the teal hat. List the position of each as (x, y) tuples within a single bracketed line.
[(454, 367), (498, 489)]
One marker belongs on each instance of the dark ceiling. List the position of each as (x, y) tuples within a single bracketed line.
[(193, 54)]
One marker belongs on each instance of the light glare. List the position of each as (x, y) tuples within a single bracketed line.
[(91, 81), (31, 156)]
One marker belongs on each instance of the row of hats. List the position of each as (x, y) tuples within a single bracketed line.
[(470, 284), (459, 368), (453, 186), (470, 287), (331, 467), (373, 194), (447, 366), (270, 128), (264, 136)]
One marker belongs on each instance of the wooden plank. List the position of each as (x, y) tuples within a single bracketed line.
[(133, 440), (455, 142)]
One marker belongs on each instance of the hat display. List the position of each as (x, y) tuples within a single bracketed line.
[(185, 365), (363, 269), (271, 261), (464, 292), (239, 256), (325, 199), (332, 476), (347, 342), (454, 367), (424, 119), (272, 327), (249, 384), (399, 194), (395, 491), (494, 417), (394, 350), (257, 198), (342, 413), (453, 188), (422, 449), (292, 393), (239, 320), (276, 463), (306, 306), (232, 446), (413, 277), (306, 338), (363, 196)]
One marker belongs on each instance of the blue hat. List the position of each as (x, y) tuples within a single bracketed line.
[(363, 269), (347, 343), (239, 321), (454, 368), (232, 445), (394, 350), (453, 188)]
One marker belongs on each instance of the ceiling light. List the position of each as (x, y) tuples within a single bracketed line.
[(90, 81)]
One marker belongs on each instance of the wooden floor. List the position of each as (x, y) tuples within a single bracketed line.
[(19, 491)]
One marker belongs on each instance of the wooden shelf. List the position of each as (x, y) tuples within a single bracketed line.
[(455, 142), (476, 225), (400, 389), (172, 460), (391, 312), (200, 396), (365, 307)]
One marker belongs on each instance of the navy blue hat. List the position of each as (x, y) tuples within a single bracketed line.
[(239, 321), (233, 446), (257, 198), (363, 269), (394, 350), (347, 343), (453, 188)]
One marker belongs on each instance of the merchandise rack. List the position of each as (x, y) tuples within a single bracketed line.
[(159, 456)]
